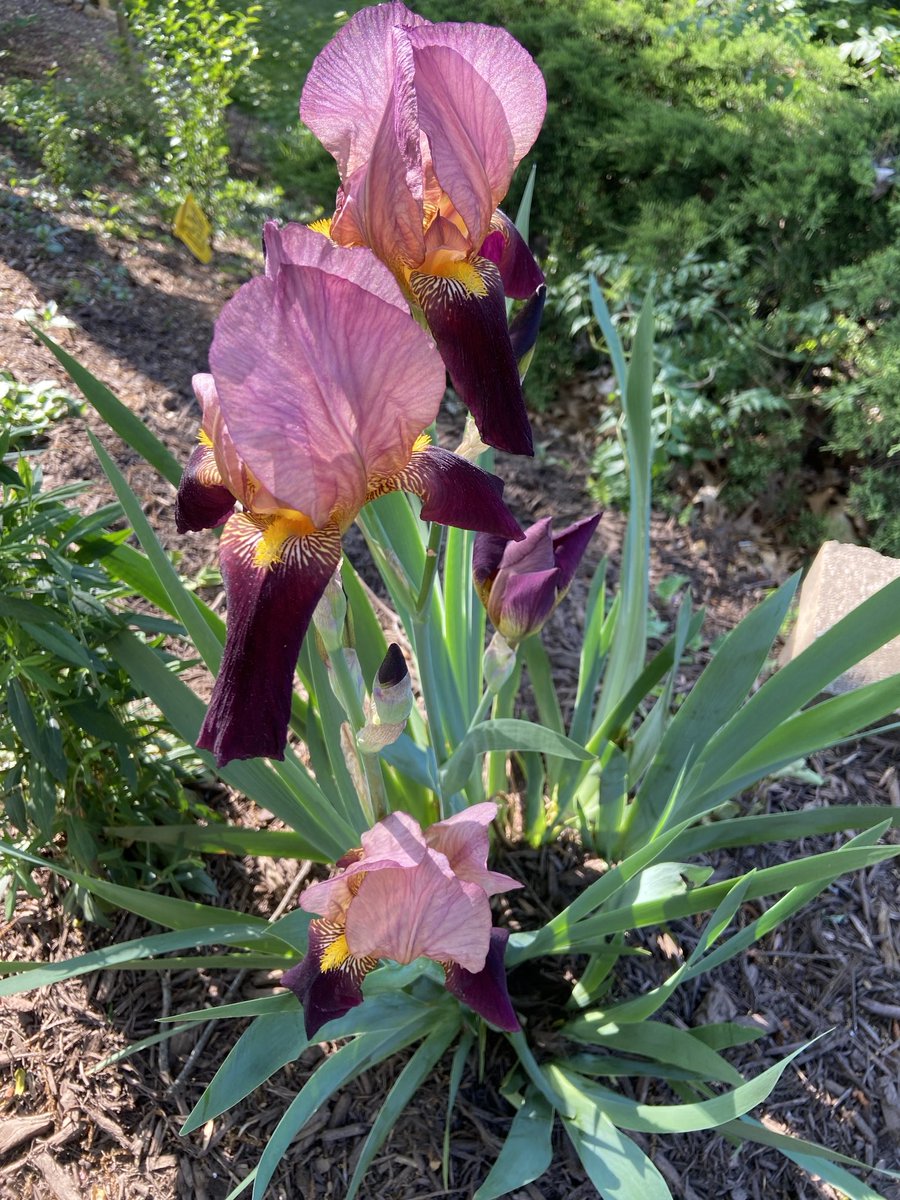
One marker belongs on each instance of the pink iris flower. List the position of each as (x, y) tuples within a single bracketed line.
[(321, 387), (427, 124), (521, 582), (408, 893)]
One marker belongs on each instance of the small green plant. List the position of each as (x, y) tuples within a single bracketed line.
[(28, 409), (80, 750)]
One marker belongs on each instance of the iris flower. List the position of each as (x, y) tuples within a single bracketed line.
[(427, 123), (403, 894), (521, 582), (320, 389)]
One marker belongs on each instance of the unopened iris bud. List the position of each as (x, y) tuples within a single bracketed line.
[(392, 692), (520, 583), (499, 661), (392, 702), (330, 614)]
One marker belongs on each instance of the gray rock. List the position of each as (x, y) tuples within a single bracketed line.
[(840, 579)]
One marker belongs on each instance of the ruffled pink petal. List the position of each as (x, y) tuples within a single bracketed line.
[(463, 840), (269, 609), (382, 200), (295, 245), (396, 842), (485, 991), (323, 385), (468, 321), (402, 914), (482, 100), (456, 492), (350, 84)]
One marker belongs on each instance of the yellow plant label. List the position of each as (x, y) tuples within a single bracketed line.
[(192, 227), (20, 1084)]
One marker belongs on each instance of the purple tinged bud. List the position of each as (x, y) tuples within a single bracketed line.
[(392, 692)]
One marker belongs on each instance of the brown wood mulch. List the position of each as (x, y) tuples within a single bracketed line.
[(70, 1131)]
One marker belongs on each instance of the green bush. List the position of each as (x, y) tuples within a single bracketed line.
[(725, 153)]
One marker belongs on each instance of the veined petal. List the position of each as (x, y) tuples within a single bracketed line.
[(518, 269), (382, 205), (466, 311), (323, 384), (296, 245), (463, 840), (269, 609), (427, 911), (481, 103), (456, 492), (486, 991), (203, 501), (396, 842), (569, 546), (328, 982), (349, 85)]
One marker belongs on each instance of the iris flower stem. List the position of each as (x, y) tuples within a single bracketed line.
[(432, 554), (503, 707)]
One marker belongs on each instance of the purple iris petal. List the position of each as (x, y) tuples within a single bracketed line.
[(525, 325), (520, 273), (269, 609), (467, 317), (486, 992), (569, 546), (203, 501), (520, 605), (456, 492)]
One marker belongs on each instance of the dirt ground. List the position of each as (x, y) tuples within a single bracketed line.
[(143, 312)]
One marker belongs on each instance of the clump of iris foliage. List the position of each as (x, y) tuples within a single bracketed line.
[(80, 749), (326, 374)]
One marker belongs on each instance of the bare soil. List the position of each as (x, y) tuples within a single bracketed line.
[(144, 309)]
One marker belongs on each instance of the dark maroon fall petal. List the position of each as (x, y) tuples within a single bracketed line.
[(268, 611), (203, 501), (456, 492), (326, 995), (485, 991), (472, 335)]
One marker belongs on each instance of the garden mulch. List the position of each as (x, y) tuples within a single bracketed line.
[(73, 1130)]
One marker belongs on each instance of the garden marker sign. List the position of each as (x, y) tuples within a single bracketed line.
[(192, 227)]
